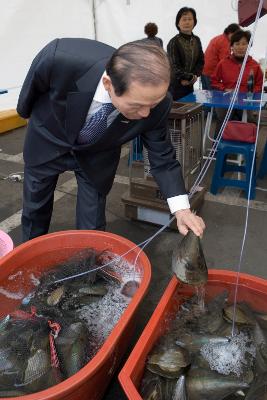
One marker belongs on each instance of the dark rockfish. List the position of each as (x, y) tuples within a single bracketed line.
[(188, 261), (129, 288), (180, 392), (151, 387), (204, 384), (72, 347)]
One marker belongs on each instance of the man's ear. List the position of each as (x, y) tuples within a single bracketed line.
[(107, 83)]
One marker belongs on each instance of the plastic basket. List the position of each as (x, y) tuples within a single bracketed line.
[(251, 289)]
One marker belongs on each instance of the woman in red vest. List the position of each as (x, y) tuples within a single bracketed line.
[(227, 72), (218, 48)]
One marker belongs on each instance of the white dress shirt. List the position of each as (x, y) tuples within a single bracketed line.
[(101, 96)]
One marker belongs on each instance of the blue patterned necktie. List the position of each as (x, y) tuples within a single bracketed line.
[(95, 126)]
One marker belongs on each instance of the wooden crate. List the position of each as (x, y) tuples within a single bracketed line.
[(156, 212), (146, 189)]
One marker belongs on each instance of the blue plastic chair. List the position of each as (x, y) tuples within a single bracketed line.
[(263, 166), (137, 150), (222, 166)]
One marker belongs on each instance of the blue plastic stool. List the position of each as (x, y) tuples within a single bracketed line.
[(263, 166), (137, 150), (224, 148)]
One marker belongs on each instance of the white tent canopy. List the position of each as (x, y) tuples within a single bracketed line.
[(27, 25)]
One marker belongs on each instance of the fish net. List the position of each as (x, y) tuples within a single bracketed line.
[(63, 321)]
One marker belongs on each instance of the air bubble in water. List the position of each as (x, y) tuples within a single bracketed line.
[(232, 357), (102, 316)]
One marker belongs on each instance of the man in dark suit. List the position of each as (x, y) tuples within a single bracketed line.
[(85, 100)]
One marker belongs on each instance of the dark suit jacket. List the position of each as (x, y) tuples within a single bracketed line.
[(57, 94)]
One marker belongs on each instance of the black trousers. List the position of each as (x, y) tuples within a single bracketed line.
[(180, 91), (38, 196)]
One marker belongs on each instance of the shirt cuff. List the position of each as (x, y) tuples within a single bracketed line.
[(177, 203)]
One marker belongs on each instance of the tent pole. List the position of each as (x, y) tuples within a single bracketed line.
[(94, 16)]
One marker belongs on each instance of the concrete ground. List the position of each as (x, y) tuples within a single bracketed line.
[(224, 215)]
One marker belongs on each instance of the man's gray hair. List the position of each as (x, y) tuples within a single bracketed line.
[(139, 61)]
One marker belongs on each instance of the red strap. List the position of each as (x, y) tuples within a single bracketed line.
[(55, 329)]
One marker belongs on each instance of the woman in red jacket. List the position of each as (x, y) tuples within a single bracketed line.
[(218, 48), (227, 72)]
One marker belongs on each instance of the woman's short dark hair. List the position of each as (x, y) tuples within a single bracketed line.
[(181, 12), (239, 35), (232, 28), (140, 62), (151, 29)]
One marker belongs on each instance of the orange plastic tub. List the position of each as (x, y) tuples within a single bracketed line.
[(251, 289), (92, 380)]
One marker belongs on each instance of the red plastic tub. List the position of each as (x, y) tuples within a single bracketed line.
[(251, 289), (92, 380)]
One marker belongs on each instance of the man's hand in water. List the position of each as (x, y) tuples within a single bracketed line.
[(186, 220)]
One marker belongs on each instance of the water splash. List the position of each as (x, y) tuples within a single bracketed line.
[(232, 357), (101, 316), (200, 293)]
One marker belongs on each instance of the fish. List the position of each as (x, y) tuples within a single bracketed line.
[(258, 389), (180, 392), (110, 275), (151, 387), (262, 320), (95, 289), (56, 296), (193, 341), (39, 374), (260, 339), (168, 387), (168, 362), (72, 348), (11, 367), (212, 320), (77, 302), (154, 387), (129, 288), (81, 262), (188, 261), (239, 395), (204, 384), (243, 315), (11, 393), (4, 322)]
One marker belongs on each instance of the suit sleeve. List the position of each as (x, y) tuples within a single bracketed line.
[(37, 80), (162, 157)]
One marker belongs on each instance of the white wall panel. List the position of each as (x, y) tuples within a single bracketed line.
[(119, 21), (27, 25)]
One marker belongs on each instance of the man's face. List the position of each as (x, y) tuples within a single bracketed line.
[(139, 99)]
